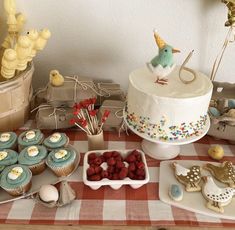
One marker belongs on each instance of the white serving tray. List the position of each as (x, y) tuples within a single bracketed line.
[(114, 184), (46, 177), (192, 201)]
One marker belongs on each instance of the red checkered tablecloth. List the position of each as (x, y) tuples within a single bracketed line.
[(125, 206)]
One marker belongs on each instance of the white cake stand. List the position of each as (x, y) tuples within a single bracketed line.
[(165, 150)]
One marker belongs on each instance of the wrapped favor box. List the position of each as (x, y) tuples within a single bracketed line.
[(74, 90), (109, 91), (115, 118), (48, 117)]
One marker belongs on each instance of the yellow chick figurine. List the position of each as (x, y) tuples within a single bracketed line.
[(56, 79), (216, 152)]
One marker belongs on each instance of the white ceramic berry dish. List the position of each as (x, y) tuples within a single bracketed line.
[(114, 184)]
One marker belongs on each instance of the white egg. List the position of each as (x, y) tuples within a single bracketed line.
[(48, 193)]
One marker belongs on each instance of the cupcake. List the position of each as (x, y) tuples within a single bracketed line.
[(28, 138), (61, 161), (8, 157), (56, 140), (34, 157), (16, 179), (8, 140)]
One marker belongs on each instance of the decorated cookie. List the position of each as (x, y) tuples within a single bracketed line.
[(224, 173), (176, 192), (190, 178), (30, 137), (8, 140), (216, 196), (56, 140)]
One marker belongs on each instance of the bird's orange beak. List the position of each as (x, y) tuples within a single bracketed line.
[(175, 51)]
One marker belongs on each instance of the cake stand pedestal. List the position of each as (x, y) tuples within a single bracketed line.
[(160, 151), (165, 150)]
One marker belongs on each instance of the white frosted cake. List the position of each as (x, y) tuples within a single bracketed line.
[(169, 112)]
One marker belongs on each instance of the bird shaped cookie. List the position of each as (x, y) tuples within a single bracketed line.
[(224, 173), (56, 79), (216, 196), (162, 64), (190, 178)]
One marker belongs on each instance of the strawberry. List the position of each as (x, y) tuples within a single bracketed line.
[(131, 175), (104, 174), (98, 169), (115, 176), (92, 156), (118, 158), (95, 177), (132, 166), (107, 155), (140, 165), (123, 173), (90, 171), (130, 158), (115, 154), (111, 161), (97, 161), (120, 164), (110, 169), (140, 177), (140, 172)]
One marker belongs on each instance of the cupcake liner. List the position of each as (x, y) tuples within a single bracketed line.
[(38, 168), (19, 190), (63, 171)]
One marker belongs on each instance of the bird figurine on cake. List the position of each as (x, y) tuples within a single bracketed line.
[(162, 64)]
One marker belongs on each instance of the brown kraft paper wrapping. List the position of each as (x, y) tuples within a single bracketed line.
[(74, 90), (115, 119), (48, 117)]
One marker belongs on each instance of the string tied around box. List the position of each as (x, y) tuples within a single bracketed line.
[(123, 125), (54, 112), (84, 85)]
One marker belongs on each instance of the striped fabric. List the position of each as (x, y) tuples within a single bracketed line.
[(125, 206)]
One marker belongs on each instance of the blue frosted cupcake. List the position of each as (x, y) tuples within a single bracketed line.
[(34, 157), (8, 157), (8, 140), (16, 179), (30, 137), (56, 140), (61, 161)]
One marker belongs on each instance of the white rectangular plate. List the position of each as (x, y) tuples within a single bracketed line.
[(192, 201)]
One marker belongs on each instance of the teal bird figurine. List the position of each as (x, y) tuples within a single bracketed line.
[(162, 64)]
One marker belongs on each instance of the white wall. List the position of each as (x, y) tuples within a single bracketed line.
[(106, 39)]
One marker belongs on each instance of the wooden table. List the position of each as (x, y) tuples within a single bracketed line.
[(125, 208)]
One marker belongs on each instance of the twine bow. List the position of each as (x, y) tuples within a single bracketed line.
[(123, 125), (84, 85), (54, 113)]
